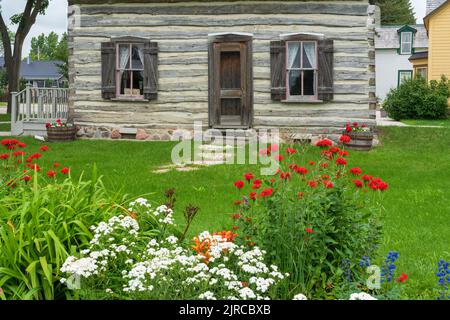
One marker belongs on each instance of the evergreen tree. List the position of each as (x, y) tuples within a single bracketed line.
[(397, 12)]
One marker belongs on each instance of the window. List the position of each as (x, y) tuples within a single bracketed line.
[(406, 42), (301, 70), (422, 71), (404, 75), (130, 70)]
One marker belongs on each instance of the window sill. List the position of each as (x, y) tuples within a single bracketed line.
[(129, 99), (302, 101)]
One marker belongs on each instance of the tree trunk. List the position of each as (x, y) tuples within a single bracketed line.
[(13, 69)]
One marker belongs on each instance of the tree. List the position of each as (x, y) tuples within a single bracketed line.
[(13, 53), (399, 12), (51, 47)]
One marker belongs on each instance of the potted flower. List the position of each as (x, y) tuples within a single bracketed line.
[(361, 136), (59, 131)]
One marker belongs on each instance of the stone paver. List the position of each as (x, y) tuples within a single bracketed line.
[(388, 122)]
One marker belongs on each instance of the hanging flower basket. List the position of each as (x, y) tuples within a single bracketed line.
[(60, 132), (361, 137)]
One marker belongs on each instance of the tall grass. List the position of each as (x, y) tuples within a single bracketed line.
[(40, 225)]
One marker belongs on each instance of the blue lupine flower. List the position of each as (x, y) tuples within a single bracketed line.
[(364, 262), (388, 270), (346, 267), (444, 279)]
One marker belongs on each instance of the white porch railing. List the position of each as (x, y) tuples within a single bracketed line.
[(38, 105)]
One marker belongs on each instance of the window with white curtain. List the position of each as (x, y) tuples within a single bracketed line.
[(406, 42), (301, 73), (130, 70)]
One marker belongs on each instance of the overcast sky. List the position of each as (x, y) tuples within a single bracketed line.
[(56, 17)]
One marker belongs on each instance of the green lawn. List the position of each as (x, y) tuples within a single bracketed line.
[(415, 162), (441, 123), (5, 118)]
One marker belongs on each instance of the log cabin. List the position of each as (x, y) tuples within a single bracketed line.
[(305, 67)]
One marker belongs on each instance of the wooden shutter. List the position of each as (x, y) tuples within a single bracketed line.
[(278, 70), (325, 70), (108, 70), (151, 70)]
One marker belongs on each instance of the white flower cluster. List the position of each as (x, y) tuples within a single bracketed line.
[(103, 247), (224, 271), (300, 297), (361, 296)]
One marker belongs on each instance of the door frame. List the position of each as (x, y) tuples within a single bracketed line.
[(214, 89)]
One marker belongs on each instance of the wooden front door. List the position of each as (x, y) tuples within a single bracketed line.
[(230, 83)]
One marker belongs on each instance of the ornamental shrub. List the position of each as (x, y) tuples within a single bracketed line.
[(310, 217), (416, 99)]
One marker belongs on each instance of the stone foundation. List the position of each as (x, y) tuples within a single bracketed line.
[(286, 135)]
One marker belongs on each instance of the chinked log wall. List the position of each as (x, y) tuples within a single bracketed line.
[(181, 32)]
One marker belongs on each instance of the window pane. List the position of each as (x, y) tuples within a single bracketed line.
[(308, 83), (406, 37), (309, 55), (406, 48), (138, 83), (138, 57), (295, 83), (293, 55), (124, 56), (125, 83), (404, 76)]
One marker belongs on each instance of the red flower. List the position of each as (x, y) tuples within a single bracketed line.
[(311, 163), (312, 184), (253, 196), (378, 184), (285, 175), (358, 183), (237, 202), (248, 176), (366, 177), (266, 192), (324, 143), (293, 167), (48, 125), (328, 184), (65, 170), (44, 148), (343, 153), (355, 124), (34, 167), (235, 227), (264, 152), (299, 195), (256, 184), (4, 156), (51, 173), (18, 153), (348, 128), (355, 171), (341, 161), (324, 165), (345, 139), (21, 145), (309, 230), (239, 184), (56, 164), (26, 178), (279, 157), (402, 278), (291, 151), (302, 171)]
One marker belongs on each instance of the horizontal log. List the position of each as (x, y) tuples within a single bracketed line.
[(142, 20), (211, 8), (280, 121)]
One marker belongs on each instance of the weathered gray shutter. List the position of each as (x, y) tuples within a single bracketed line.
[(108, 70), (325, 70), (151, 70), (278, 70)]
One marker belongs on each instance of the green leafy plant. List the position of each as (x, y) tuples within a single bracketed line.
[(311, 218), (416, 99), (40, 225)]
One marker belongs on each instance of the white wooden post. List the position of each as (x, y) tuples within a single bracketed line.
[(40, 105), (54, 102), (13, 107), (28, 102)]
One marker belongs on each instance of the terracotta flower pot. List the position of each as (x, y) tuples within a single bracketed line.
[(361, 141), (61, 134)]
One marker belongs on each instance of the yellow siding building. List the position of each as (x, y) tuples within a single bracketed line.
[(437, 23)]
